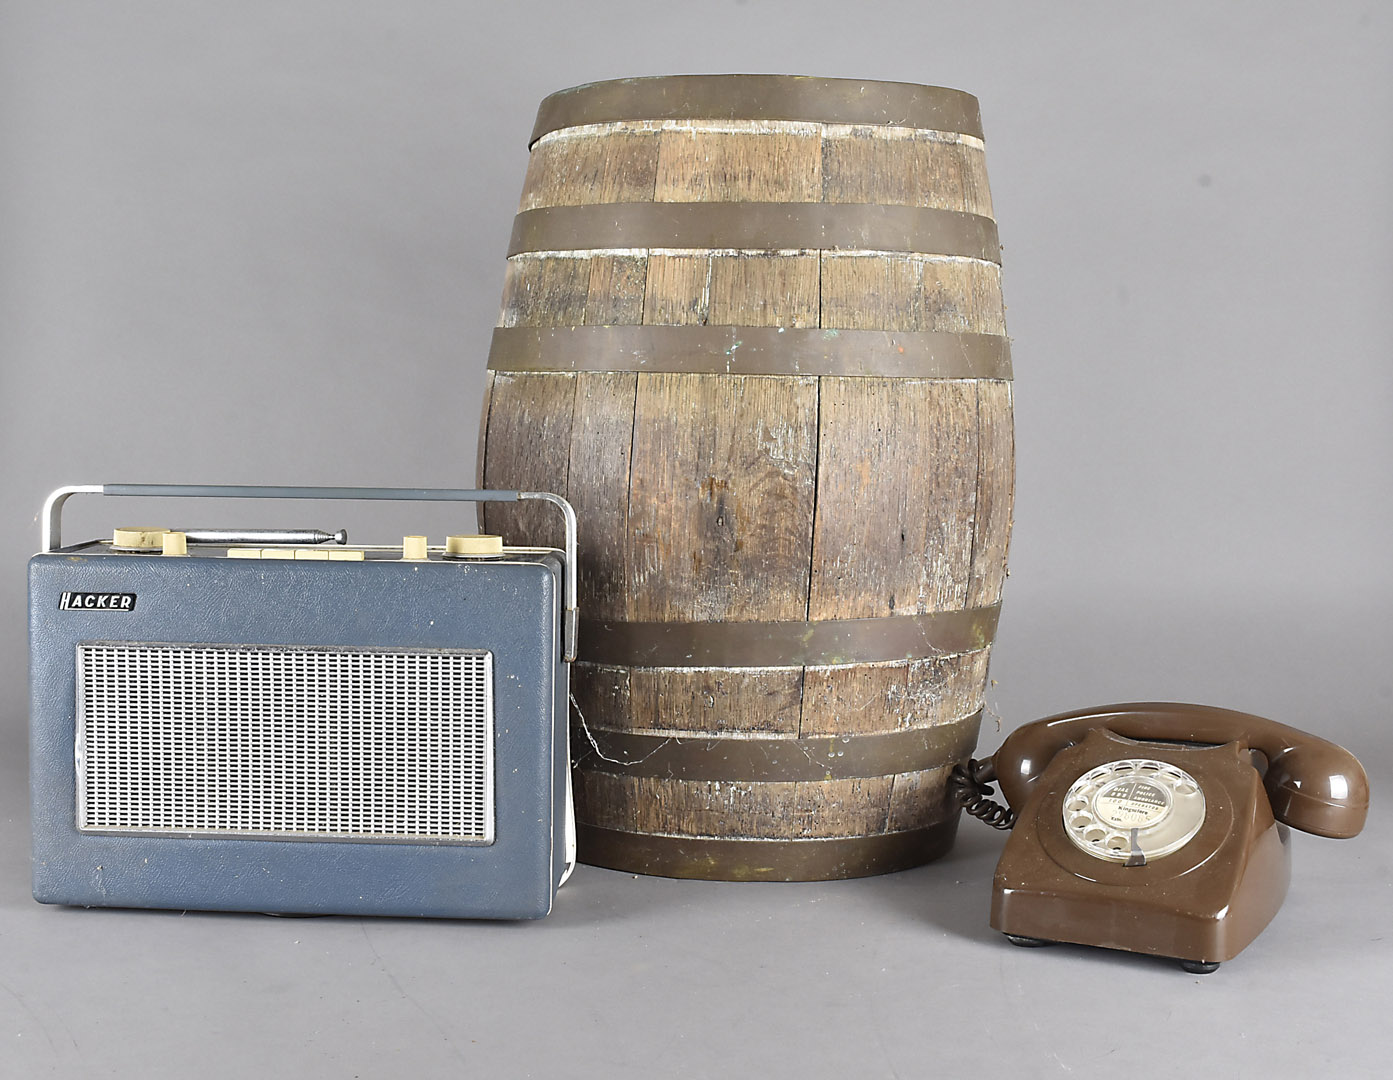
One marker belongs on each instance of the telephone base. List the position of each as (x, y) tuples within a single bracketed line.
[(1200, 905)]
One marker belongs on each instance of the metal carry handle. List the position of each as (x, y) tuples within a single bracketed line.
[(53, 513)]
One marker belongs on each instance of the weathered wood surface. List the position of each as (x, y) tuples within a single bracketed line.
[(996, 460), (531, 411), (721, 497), (570, 170), (896, 499), (863, 699), (679, 290), (833, 290), (904, 167), (811, 702), (863, 806), (689, 701), (765, 290), (748, 162), (911, 292), (757, 161), (710, 498), (598, 482)]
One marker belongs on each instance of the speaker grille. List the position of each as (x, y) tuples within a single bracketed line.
[(285, 742)]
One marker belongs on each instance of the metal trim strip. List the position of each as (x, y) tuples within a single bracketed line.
[(761, 97), (751, 350), (825, 642), (748, 226)]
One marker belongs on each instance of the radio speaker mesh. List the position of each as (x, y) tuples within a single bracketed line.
[(283, 742)]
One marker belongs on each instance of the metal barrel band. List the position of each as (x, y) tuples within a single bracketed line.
[(751, 350), (813, 758), (761, 97), (755, 227), (715, 858), (826, 642)]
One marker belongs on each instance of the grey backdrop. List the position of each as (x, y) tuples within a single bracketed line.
[(263, 243)]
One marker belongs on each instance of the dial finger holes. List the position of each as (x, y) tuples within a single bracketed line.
[(1159, 800)]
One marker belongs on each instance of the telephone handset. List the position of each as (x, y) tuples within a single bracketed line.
[(1148, 827)]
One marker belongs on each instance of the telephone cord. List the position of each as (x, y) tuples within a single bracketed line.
[(975, 797)]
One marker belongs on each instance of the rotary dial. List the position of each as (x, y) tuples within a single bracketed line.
[(1133, 810)]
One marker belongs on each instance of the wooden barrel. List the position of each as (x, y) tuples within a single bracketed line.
[(752, 328)]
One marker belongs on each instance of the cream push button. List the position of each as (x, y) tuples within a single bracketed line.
[(413, 548), (174, 543), (298, 554)]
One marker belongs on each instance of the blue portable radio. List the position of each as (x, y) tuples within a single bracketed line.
[(274, 721)]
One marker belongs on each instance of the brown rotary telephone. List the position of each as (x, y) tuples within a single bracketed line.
[(1156, 828)]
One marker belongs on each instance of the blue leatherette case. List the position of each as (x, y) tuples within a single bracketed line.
[(511, 607)]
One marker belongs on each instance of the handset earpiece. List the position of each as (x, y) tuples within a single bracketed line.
[(1317, 787)]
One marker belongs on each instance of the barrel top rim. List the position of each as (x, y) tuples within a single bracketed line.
[(808, 98)]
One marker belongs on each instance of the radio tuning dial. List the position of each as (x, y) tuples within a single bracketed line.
[(138, 538), (473, 547)]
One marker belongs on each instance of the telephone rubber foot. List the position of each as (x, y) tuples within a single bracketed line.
[(1199, 967), (1027, 942)]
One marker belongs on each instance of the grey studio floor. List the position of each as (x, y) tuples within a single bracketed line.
[(263, 243)]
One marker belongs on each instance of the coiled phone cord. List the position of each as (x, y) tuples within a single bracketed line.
[(975, 795)]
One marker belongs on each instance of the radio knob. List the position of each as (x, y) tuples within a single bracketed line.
[(481, 546), (413, 548), (138, 538)]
